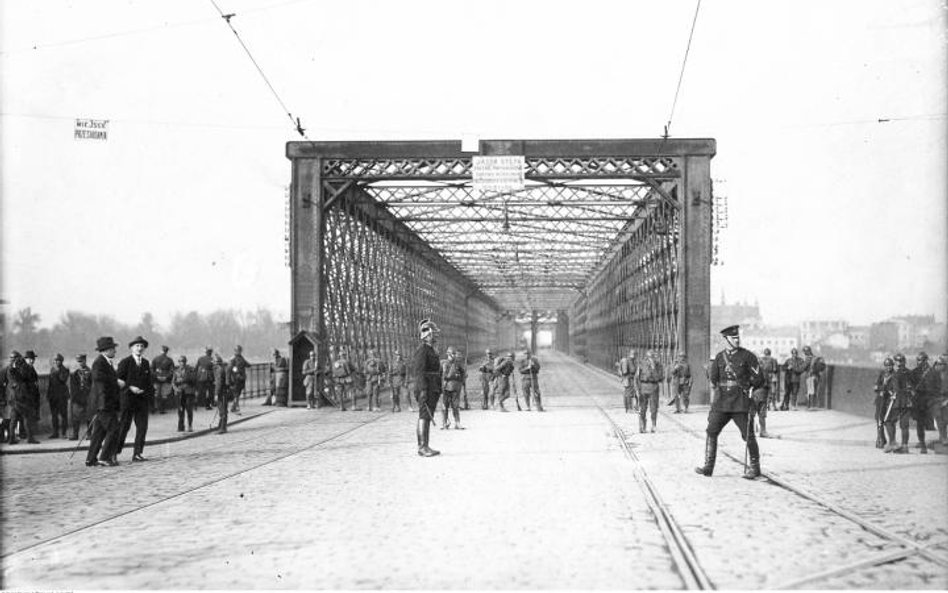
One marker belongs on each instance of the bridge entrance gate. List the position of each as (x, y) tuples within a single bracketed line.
[(607, 240)]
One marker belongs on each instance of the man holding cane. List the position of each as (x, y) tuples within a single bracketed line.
[(733, 374)]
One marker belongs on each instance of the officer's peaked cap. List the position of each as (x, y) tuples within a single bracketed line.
[(427, 327), (731, 331)]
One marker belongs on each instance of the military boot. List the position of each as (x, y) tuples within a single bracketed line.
[(710, 454), (641, 423), (425, 428), (539, 404), (753, 470)]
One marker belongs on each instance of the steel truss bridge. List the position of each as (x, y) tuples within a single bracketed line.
[(607, 244)]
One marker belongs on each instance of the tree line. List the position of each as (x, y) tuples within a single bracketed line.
[(187, 333)]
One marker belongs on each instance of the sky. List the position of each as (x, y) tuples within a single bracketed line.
[(832, 213)]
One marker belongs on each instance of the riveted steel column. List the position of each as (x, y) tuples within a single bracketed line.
[(695, 272)]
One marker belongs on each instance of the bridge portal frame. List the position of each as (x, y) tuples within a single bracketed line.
[(324, 172)]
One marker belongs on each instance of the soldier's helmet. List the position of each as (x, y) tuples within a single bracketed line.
[(164, 348), (807, 350), (58, 357), (899, 357), (182, 358), (767, 351), (888, 362), (793, 351), (922, 356), (489, 352)]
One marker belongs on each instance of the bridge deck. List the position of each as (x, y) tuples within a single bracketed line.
[(571, 498)]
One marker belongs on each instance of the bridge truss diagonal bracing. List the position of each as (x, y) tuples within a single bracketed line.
[(607, 242)]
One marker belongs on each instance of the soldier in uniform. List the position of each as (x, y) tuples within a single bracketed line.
[(426, 371), (17, 398), (885, 391), (680, 381), (135, 371), (104, 398), (80, 384), (30, 406), (529, 368), (814, 373), (503, 368), (486, 371), (627, 368), (221, 392), (374, 370), (7, 387), (183, 382), (453, 376), (57, 395), (398, 378), (793, 367), (941, 415), (204, 369), (771, 370), (900, 407), (649, 376), (734, 374), (310, 380), (342, 372), (926, 383), (162, 367), (280, 378), (237, 376)]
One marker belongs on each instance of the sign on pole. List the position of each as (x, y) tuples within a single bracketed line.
[(91, 129), (498, 173)]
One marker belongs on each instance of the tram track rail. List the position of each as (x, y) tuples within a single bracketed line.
[(910, 548), (197, 487)]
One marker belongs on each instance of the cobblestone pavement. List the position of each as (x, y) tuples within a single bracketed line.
[(331, 500)]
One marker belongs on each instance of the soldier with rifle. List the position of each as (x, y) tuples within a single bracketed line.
[(734, 373), (374, 370), (453, 376), (679, 383), (486, 371), (771, 370), (885, 392), (926, 384), (503, 368), (627, 368), (899, 409), (528, 368)]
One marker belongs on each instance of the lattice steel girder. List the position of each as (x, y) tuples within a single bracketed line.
[(637, 205)]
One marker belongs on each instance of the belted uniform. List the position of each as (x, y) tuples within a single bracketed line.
[(529, 369), (57, 395)]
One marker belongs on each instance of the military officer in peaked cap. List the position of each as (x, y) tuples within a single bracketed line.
[(426, 371), (733, 374)]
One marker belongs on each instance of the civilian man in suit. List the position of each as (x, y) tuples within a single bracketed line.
[(136, 374), (104, 401)]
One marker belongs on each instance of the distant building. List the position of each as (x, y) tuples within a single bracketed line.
[(780, 340), (859, 337), (814, 332), (743, 314), (884, 336)]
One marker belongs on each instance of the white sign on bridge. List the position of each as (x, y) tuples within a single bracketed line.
[(91, 129), (498, 173)]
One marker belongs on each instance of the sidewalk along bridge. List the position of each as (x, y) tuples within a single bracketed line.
[(605, 243)]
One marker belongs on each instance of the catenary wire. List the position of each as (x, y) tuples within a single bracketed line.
[(681, 75)]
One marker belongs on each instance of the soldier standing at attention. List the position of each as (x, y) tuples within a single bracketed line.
[(734, 373), (310, 380), (374, 369), (503, 368), (426, 372), (237, 376), (183, 381), (529, 368), (398, 378), (794, 367), (649, 375), (135, 372), (680, 379), (280, 371), (163, 370), (486, 371), (771, 371), (105, 400), (204, 367), (900, 408), (926, 382), (57, 395), (627, 367), (342, 377), (80, 383), (885, 391), (453, 376)]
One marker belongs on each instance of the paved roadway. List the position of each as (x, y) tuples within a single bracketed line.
[(570, 498)]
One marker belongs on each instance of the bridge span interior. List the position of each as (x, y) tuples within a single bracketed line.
[(606, 246)]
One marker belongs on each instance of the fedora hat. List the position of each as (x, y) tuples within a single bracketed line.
[(104, 343), (138, 340)]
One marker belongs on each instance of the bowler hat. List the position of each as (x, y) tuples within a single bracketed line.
[(104, 343), (138, 340), (29, 354)]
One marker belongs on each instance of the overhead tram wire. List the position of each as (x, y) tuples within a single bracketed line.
[(681, 75), (297, 125)]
